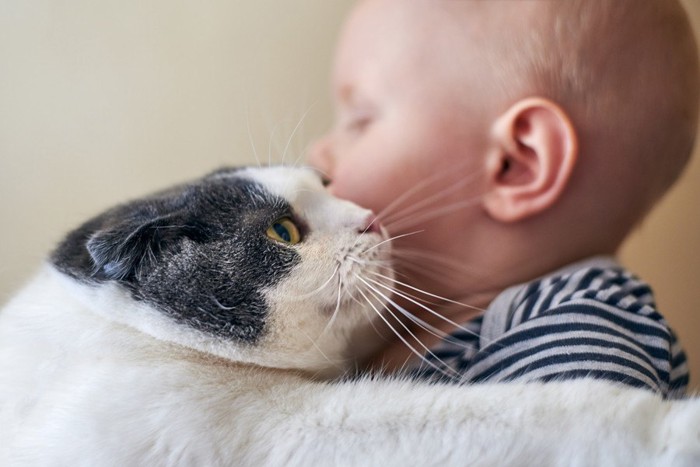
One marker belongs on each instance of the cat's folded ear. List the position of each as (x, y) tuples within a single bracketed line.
[(119, 251)]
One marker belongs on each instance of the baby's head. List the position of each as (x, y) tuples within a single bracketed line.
[(513, 133)]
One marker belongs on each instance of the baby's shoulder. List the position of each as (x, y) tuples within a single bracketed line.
[(597, 284)]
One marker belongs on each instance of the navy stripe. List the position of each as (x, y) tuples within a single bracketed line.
[(680, 382), (564, 344), (623, 293), (599, 374), (531, 295), (616, 304), (554, 329), (568, 358), (464, 336), (527, 308), (588, 309), (678, 360), (443, 354), (555, 290), (588, 278)]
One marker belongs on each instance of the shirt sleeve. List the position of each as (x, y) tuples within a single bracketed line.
[(595, 324)]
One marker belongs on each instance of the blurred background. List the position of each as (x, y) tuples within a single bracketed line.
[(104, 101)]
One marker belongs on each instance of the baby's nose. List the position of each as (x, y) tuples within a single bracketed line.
[(321, 157)]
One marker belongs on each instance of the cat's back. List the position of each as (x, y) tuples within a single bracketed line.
[(76, 389)]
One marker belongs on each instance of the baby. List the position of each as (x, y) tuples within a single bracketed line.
[(511, 147)]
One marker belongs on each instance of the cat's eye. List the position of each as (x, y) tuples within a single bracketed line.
[(285, 231)]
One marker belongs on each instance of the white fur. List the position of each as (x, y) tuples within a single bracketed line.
[(79, 389), (90, 377)]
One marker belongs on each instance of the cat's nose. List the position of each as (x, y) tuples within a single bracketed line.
[(371, 225)]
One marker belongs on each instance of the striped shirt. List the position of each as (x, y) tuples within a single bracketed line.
[(593, 319)]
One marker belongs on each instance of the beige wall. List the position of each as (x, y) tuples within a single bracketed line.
[(103, 101), (665, 251)]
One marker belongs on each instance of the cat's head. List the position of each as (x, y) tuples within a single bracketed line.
[(257, 265)]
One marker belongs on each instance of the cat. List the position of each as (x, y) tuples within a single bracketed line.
[(212, 323)]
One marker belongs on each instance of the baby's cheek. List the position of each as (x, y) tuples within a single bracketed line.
[(358, 187)]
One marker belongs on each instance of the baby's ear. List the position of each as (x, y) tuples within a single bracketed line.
[(532, 157)]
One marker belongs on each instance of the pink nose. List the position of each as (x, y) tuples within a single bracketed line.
[(371, 225)]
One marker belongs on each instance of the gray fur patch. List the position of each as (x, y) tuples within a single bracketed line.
[(197, 252)]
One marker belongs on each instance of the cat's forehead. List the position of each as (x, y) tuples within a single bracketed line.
[(286, 182)]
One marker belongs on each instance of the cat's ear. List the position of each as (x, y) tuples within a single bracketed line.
[(119, 251), (533, 155)]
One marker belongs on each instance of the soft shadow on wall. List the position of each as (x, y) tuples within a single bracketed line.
[(104, 101)]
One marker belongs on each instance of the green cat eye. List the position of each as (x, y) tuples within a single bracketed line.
[(285, 231)]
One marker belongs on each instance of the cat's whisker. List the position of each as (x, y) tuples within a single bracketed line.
[(430, 329), (441, 261), (386, 212), (338, 364), (430, 215), (476, 309), (398, 334), (386, 216), (337, 306), (405, 313), (430, 200), (427, 271), (318, 289), (381, 264), (430, 271), (388, 267), (250, 136), (422, 185), (367, 316), (427, 326), (296, 128), (272, 140), (429, 310), (391, 239), (377, 294), (416, 289), (302, 153)]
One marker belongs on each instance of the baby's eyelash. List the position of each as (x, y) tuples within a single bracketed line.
[(358, 123)]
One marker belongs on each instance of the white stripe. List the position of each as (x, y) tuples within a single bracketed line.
[(574, 366), (679, 371), (631, 318), (535, 309), (572, 352), (568, 350), (565, 319)]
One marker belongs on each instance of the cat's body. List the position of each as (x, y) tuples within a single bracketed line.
[(104, 362)]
